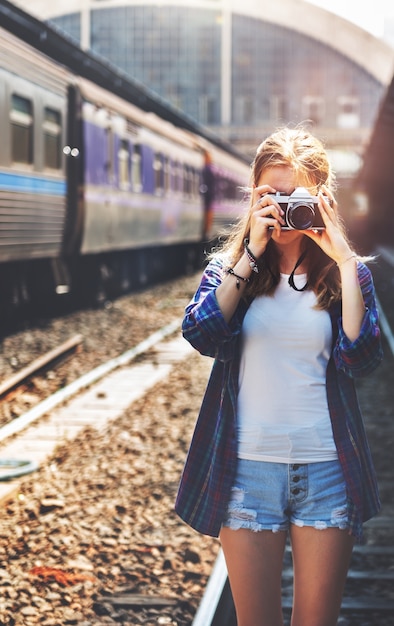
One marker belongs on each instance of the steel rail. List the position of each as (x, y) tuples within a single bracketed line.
[(84, 381), (217, 606), (39, 364)]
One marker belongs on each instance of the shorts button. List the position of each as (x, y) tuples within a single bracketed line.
[(296, 466), (296, 479), (295, 491)]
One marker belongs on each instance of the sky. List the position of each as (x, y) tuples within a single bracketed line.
[(369, 14)]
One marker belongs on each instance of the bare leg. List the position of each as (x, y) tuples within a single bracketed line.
[(321, 560), (254, 563)]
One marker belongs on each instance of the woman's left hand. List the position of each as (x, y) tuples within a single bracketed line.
[(331, 240)]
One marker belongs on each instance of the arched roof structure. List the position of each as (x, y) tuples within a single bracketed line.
[(368, 52), (240, 67)]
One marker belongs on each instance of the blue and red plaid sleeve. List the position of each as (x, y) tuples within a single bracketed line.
[(360, 357), (204, 325)]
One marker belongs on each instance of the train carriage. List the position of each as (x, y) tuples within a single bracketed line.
[(140, 179), (96, 194), (32, 177)]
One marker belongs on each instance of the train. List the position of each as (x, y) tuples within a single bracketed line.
[(97, 195)]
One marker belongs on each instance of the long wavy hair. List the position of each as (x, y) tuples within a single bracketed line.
[(298, 149)]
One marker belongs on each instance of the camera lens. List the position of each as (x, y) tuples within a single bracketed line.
[(300, 215)]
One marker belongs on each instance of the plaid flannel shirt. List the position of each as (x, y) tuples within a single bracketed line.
[(210, 466)]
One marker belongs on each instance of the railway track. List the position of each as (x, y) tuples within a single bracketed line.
[(91, 537), (153, 544), (11, 466), (16, 385), (40, 363), (369, 595)]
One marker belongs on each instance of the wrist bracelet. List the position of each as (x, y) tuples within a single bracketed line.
[(352, 256), (230, 271), (251, 258)]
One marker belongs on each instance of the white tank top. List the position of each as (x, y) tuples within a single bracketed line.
[(282, 403)]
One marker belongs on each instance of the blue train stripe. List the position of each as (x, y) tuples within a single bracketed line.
[(31, 184)]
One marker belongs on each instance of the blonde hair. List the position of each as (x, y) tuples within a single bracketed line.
[(298, 149)]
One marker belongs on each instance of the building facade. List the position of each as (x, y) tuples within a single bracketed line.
[(240, 68)]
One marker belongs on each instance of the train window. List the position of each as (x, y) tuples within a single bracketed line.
[(184, 179), (195, 183), (136, 168), (21, 116), (123, 160), (230, 189), (158, 173), (187, 180), (167, 174), (178, 177), (177, 173), (52, 128)]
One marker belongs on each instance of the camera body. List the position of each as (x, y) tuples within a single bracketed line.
[(300, 210)]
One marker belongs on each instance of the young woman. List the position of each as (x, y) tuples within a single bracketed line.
[(279, 447)]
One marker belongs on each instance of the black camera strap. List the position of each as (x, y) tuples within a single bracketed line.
[(291, 277)]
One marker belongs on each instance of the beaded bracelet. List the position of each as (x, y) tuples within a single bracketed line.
[(230, 270), (352, 256), (251, 258)]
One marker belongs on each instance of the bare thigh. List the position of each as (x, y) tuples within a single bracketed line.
[(254, 563), (320, 560)]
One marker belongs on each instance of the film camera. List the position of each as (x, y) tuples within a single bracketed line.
[(300, 210)]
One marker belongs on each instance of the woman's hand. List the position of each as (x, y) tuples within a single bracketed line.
[(334, 244), (331, 240), (265, 214)]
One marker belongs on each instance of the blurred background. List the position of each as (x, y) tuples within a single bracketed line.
[(114, 110), (243, 67)]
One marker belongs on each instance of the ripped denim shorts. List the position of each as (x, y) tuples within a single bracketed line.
[(271, 496)]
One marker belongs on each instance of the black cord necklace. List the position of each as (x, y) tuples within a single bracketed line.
[(291, 277)]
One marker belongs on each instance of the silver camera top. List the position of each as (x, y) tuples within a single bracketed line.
[(300, 210), (299, 194)]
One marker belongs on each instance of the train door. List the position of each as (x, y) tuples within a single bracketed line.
[(73, 152)]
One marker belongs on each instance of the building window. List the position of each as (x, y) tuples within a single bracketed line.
[(244, 110), (207, 109), (313, 109), (52, 128), (278, 108), (348, 112), (21, 116)]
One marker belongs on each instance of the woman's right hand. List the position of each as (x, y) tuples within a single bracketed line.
[(265, 214)]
